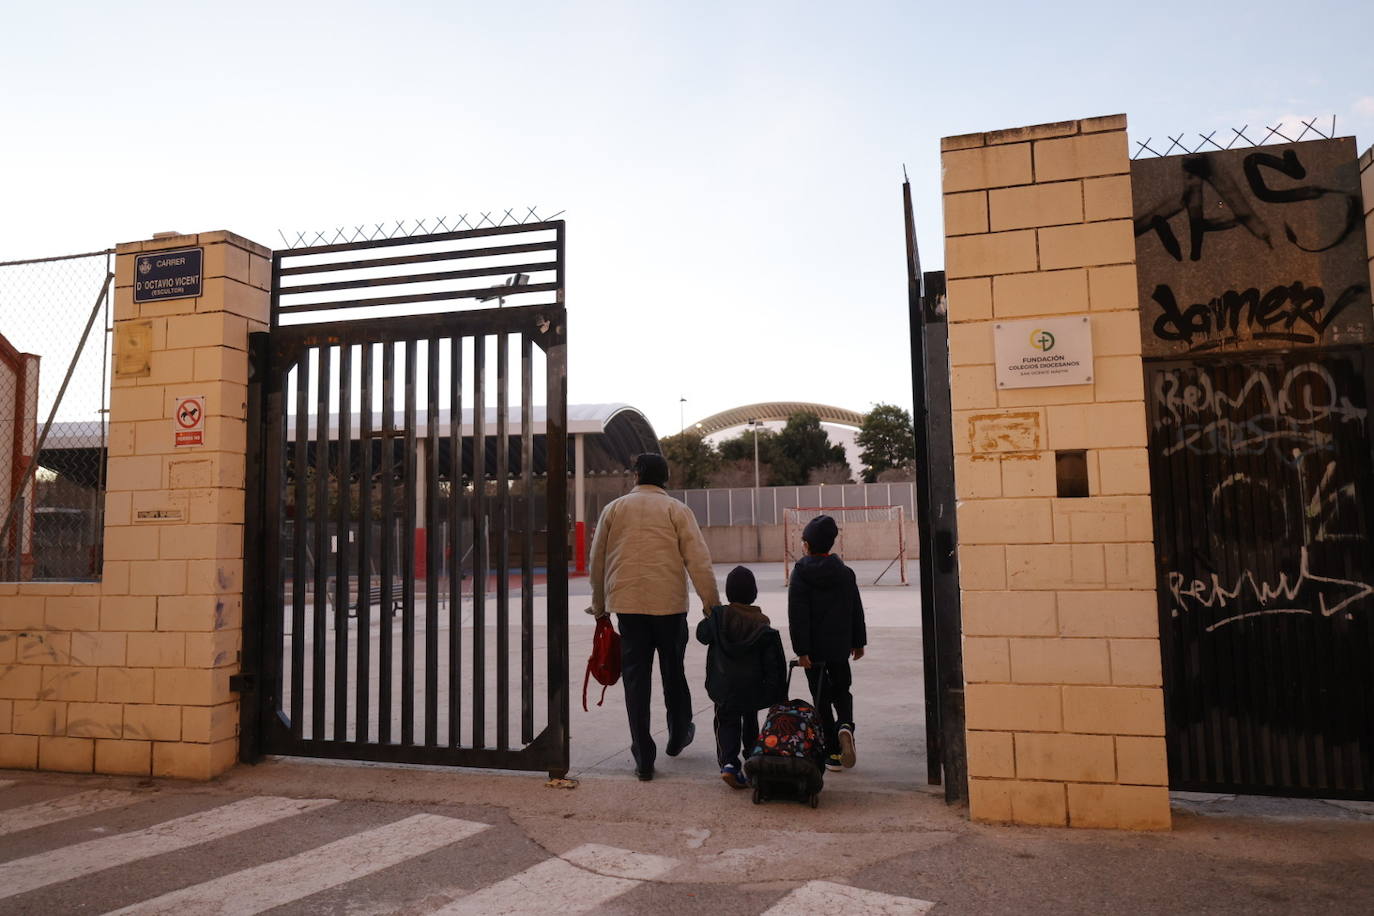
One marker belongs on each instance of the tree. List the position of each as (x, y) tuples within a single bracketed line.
[(830, 475), (886, 439), (802, 446), (739, 473), (691, 460)]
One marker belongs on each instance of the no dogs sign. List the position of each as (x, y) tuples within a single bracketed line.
[(188, 420)]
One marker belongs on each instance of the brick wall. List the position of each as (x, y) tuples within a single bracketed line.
[(130, 675), (1367, 192), (1061, 645)]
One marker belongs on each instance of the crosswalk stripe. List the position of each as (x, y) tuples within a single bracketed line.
[(6, 783), (559, 884), (20, 876), (65, 808), (826, 897), (284, 881)]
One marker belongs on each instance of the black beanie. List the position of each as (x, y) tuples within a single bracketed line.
[(652, 469), (740, 587), (820, 533)]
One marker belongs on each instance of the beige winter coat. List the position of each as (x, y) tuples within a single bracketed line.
[(643, 543)]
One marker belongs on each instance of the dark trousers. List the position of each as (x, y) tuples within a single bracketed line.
[(736, 734), (641, 635), (832, 698)]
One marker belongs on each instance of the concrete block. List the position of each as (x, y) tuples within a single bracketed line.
[(966, 214), (41, 648), (213, 650), (193, 761), (1043, 567), (126, 685), (128, 405), (1115, 614), (169, 367), (992, 613), (1136, 663), (1087, 244), (1036, 205), (131, 542), (114, 577), (71, 684), (120, 441), (157, 650), (1124, 471), (1059, 661), (1033, 132), (1112, 289), (157, 577), (962, 141), (1130, 566), (971, 344), (24, 612), (985, 660), (1114, 710), (1082, 157), (973, 387), (193, 687), (1071, 758), (982, 567), (995, 253), (1039, 804), (124, 758), (95, 720), (208, 724), (6, 717), (1116, 334), (200, 542), (1118, 424), (1142, 761), (198, 613), (208, 329), (1105, 122), (1045, 397), (18, 752), (152, 723), (1119, 807), (66, 755), (1107, 198), (986, 167), (39, 717), (1118, 378), (216, 364), (234, 298), (1055, 292), (978, 476), (214, 577), (225, 260), (98, 650), (1028, 474), (128, 613), (989, 800), (999, 431), (20, 682), (990, 755), (968, 300), (984, 521), (1014, 707), (260, 273)]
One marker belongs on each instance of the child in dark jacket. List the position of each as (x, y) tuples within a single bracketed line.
[(745, 671), (825, 616)]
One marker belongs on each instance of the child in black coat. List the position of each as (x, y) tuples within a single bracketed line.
[(745, 671), (825, 617)]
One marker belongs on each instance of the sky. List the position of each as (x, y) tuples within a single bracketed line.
[(730, 173)]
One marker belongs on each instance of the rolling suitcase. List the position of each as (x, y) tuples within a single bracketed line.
[(789, 757)]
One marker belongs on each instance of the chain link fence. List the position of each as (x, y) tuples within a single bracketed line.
[(55, 319)]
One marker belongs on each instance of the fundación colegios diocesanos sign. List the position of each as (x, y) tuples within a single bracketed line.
[(168, 275), (1043, 351)]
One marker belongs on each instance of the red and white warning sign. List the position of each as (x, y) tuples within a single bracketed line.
[(188, 420)]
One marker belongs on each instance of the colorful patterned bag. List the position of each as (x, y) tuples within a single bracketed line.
[(792, 729)]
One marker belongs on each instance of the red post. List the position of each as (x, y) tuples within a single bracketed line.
[(580, 548)]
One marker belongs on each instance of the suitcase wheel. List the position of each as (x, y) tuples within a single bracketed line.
[(815, 799), (758, 795)]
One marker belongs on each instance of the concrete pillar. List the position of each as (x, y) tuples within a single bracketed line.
[(1367, 192), (1065, 712), (130, 674)]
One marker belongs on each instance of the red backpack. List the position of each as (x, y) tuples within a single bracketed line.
[(604, 663)]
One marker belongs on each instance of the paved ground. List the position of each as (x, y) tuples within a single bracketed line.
[(297, 836)]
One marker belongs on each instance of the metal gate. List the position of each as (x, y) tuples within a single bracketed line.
[(407, 579), (1261, 475)]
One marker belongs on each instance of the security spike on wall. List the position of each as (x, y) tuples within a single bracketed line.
[(1279, 133), (390, 229)]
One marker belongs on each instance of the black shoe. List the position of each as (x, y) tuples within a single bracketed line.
[(644, 775), (675, 747)]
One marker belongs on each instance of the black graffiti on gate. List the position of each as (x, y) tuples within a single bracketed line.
[(1293, 312), (1199, 170)]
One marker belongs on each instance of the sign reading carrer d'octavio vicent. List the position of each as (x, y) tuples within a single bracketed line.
[(168, 275), (1043, 351)]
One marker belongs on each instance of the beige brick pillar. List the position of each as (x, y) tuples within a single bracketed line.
[(181, 615), (1367, 192), (1061, 644)]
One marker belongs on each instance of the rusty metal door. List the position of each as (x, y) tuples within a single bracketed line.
[(1261, 475)]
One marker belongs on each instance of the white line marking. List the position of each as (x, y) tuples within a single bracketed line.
[(23, 875), (274, 884), (54, 810), (824, 897), (558, 884)]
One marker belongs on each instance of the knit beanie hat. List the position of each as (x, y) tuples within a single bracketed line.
[(652, 469), (820, 533), (740, 587)]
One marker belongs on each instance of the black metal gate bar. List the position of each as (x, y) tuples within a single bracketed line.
[(310, 714), (363, 689), (480, 562), (503, 517)]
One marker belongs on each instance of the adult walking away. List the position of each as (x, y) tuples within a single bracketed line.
[(644, 541), (825, 618)]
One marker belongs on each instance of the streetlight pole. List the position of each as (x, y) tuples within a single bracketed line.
[(758, 529), (754, 425), (681, 418)]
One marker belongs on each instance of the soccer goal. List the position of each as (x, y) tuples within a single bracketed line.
[(866, 533)]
